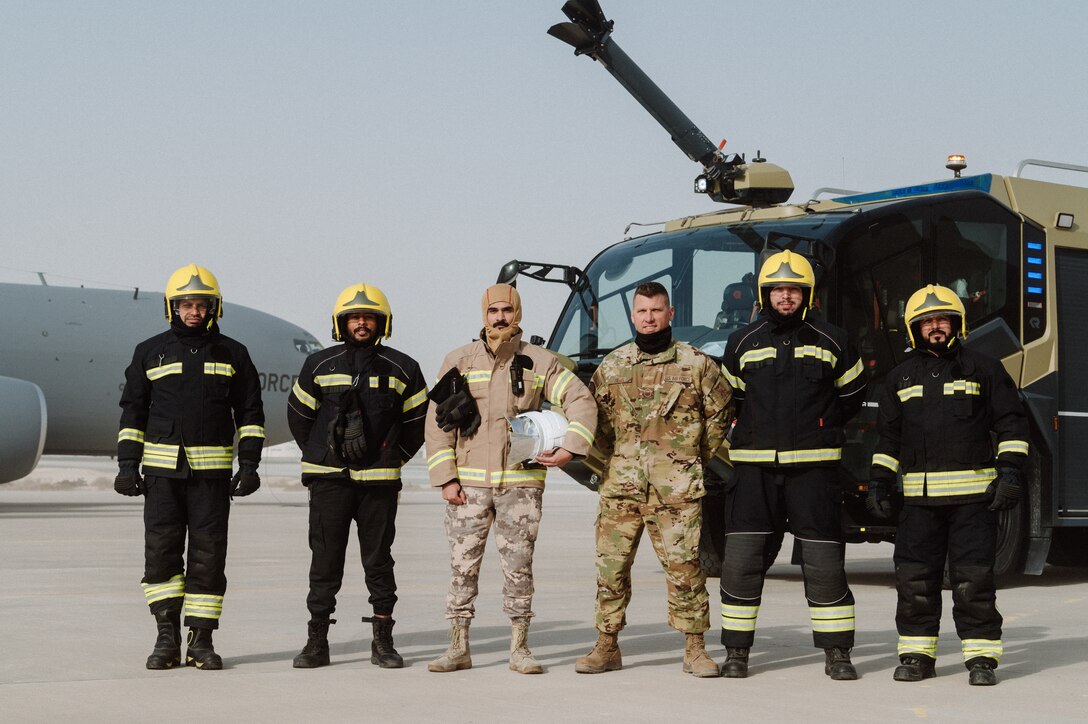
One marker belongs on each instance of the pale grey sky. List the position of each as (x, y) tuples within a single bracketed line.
[(296, 147)]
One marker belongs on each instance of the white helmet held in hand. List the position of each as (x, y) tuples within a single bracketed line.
[(532, 433)]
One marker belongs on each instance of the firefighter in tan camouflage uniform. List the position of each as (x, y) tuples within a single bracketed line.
[(482, 385), (664, 408)]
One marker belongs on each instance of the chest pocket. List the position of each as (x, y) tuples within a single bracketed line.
[(755, 358), (162, 366), (817, 363), (678, 382), (964, 394), (381, 392), (623, 392)]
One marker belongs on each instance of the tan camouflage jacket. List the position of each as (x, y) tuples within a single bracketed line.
[(660, 419), (480, 460)]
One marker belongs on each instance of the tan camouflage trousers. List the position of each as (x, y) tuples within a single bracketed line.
[(515, 513), (674, 531)]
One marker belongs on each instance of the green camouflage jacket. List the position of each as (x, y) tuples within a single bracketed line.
[(660, 419)]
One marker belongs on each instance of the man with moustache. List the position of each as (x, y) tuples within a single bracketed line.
[(357, 412), (482, 385), (664, 409), (797, 381), (941, 412)]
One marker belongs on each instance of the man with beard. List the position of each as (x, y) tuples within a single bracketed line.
[(796, 381), (481, 386), (187, 392), (942, 409), (664, 408), (357, 412)]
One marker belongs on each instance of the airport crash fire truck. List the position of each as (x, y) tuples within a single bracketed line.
[(1011, 247)]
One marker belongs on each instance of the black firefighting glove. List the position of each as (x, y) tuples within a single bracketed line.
[(879, 500), (1006, 488), (128, 480), (459, 411), (246, 480), (353, 445)]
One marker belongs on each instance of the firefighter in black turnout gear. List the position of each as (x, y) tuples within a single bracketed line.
[(357, 411), (187, 391), (796, 381), (938, 415)]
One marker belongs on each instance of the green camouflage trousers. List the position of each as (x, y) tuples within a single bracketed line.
[(674, 532), (516, 515)]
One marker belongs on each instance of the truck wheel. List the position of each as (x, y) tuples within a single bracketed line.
[(1013, 525), (1012, 540)]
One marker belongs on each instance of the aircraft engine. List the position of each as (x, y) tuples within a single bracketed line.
[(22, 428)]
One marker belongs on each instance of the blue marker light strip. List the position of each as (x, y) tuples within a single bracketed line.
[(1035, 275), (980, 183), (1035, 246), (1037, 261), (1035, 290)]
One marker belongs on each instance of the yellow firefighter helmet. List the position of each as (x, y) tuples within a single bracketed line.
[(193, 282), (786, 269), (933, 300), (361, 298)]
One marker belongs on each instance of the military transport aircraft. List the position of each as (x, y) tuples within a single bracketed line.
[(63, 358)]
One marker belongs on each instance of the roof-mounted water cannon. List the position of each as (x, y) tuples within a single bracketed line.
[(725, 178)]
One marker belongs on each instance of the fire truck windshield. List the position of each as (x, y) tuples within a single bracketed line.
[(709, 272)]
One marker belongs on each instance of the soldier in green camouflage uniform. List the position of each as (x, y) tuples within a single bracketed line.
[(664, 408)]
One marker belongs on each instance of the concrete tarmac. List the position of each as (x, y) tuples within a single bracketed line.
[(75, 632)]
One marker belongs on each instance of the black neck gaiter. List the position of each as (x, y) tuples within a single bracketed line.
[(655, 342), (784, 323), (188, 333)]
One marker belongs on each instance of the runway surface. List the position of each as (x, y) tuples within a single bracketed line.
[(75, 631)]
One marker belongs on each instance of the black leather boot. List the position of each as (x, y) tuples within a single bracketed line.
[(981, 672), (914, 668), (382, 652), (837, 664), (167, 651), (200, 653), (736, 663), (316, 651)]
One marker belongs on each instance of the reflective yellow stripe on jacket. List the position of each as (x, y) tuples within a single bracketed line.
[(948, 482), (811, 350), (886, 461), (209, 457), (580, 430), (498, 477), (251, 431), (339, 380), (850, 375), (304, 397), (908, 393), (442, 455), (357, 475), (218, 368), (161, 371), (1012, 446), (562, 380), (159, 455), (965, 386), (735, 382), (131, 434), (414, 401), (786, 457)]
